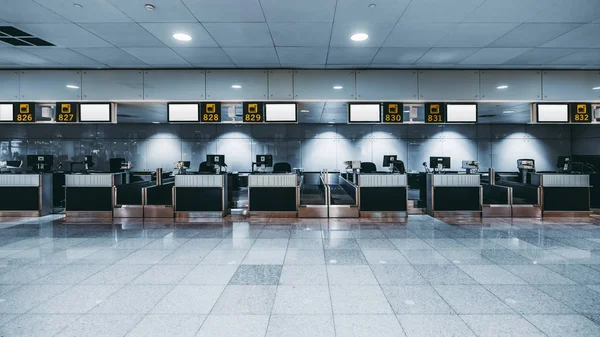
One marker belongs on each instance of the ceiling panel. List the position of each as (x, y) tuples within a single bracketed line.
[(407, 34), (351, 55), (201, 57), (446, 55), (475, 34), (164, 32), (582, 11), (509, 10), (299, 11), (90, 10), (240, 34), (359, 10), (399, 55), (313, 34), (310, 55), (21, 57), (582, 57), (540, 56), (226, 10), (487, 56), (420, 11), (123, 35), (164, 11), (113, 57), (27, 11), (252, 56), (533, 34), (157, 56), (64, 34), (377, 32), (63, 56), (583, 37)]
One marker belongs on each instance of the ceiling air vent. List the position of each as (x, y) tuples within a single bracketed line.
[(486, 116), (17, 37)]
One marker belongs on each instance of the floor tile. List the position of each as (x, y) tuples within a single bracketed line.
[(23, 299), (501, 326), (526, 299), (167, 243), (303, 275), (233, 244), (564, 325), (577, 272), (265, 256), (224, 257), (132, 299), (464, 256), (36, 325), (490, 274), (340, 244), (366, 244), (116, 274), (167, 325), (306, 244), (424, 256), (202, 244), (108, 325), (351, 299), (397, 274), (444, 274), (304, 257), (444, 243), (184, 256), (300, 326), (77, 300), (406, 244), (146, 256), (105, 256), (189, 300), (246, 300), (367, 326), (274, 234), (536, 274), (504, 256), (27, 274), (302, 300), (579, 298), (344, 256), (384, 256), (472, 299), (234, 325), (257, 274), (434, 326), (350, 274), (415, 299), (210, 274), (163, 274), (271, 244)]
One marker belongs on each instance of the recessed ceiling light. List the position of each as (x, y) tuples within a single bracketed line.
[(149, 7), (236, 86), (359, 37), (338, 87), (155, 122), (508, 111), (596, 88), (71, 86), (182, 37), (78, 5), (304, 110), (372, 5), (502, 87)]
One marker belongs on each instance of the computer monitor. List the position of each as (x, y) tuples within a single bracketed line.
[(215, 159), (186, 164), (564, 163), (40, 163), (437, 162), (389, 160), (264, 159)]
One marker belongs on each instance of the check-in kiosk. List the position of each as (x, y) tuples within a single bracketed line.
[(273, 194), (563, 194), (24, 195), (201, 195), (91, 195)]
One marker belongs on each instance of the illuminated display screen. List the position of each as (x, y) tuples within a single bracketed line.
[(211, 112), (24, 113), (280, 112), (6, 113), (183, 112), (364, 113), (253, 113), (392, 113), (581, 113), (553, 112), (94, 112), (461, 113), (66, 113), (434, 113)]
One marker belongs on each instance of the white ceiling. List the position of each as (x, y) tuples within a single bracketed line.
[(306, 33)]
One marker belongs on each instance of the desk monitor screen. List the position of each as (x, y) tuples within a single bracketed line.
[(435, 161), (563, 162), (264, 159), (186, 164), (40, 162), (215, 159), (389, 160)]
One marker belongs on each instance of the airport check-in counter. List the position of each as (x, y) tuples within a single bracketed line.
[(497, 201), (201, 195), (526, 201), (383, 195), (454, 194), (273, 194), (129, 199), (91, 194), (158, 200), (342, 196), (313, 196), (24, 195), (564, 194)]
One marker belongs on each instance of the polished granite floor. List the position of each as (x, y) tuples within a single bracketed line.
[(288, 277)]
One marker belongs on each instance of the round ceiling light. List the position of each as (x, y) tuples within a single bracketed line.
[(372, 5), (502, 87), (359, 37), (338, 87), (76, 5), (182, 37), (71, 86), (149, 7), (236, 86)]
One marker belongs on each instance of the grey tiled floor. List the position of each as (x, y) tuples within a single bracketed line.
[(291, 277)]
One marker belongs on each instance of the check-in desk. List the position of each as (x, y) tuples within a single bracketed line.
[(497, 201), (564, 194), (273, 194), (91, 195), (201, 195), (454, 195), (158, 200), (26, 194), (383, 195)]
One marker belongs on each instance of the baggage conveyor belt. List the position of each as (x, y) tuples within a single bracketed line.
[(312, 195), (339, 196)]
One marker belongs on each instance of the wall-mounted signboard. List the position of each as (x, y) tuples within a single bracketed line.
[(364, 113), (552, 113), (183, 112), (66, 112), (581, 113), (95, 112), (435, 113), (24, 113), (281, 112), (393, 113), (211, 112), (253, 112), (461, 113)]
